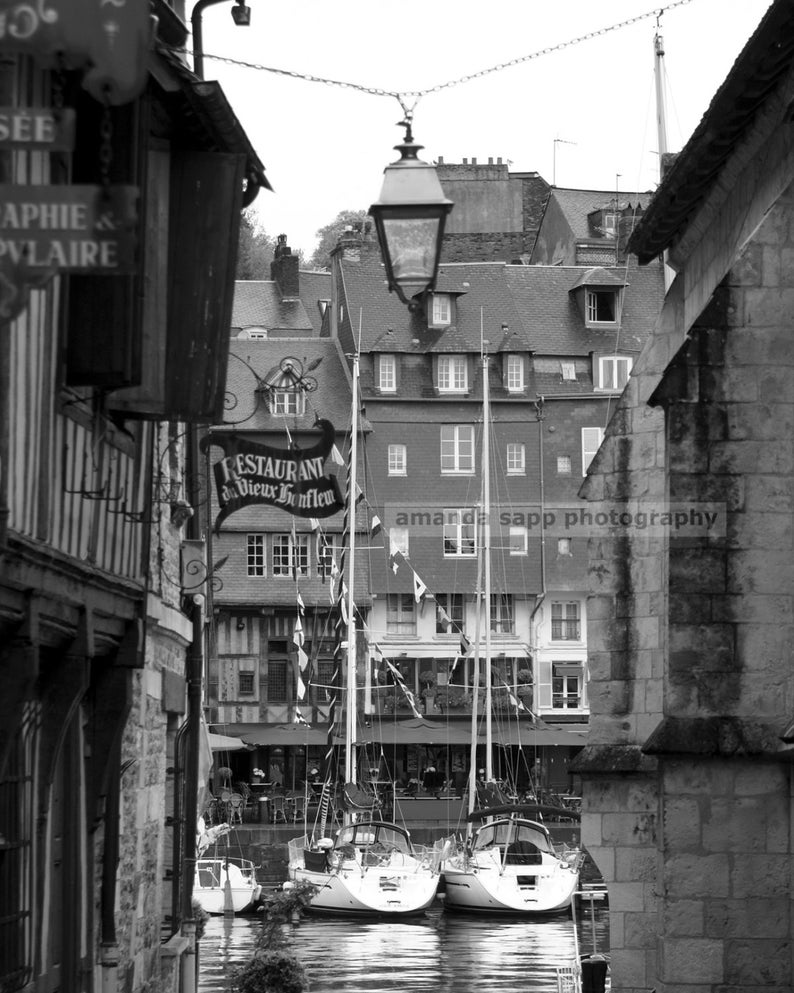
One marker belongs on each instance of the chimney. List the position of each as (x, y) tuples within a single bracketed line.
[(284, 269)]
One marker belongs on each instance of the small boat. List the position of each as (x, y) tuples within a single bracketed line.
[(371, 868), (511, 866), (226, 884)]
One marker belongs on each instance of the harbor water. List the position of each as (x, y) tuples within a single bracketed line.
[(439, 953)]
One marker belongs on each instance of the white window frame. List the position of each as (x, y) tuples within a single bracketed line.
[(568, 370), (287, 403), (397, 460), (387, 374), (400, 614), (457, 449), (325, 554), (591, 442), (567, 672), (514, 376), (503, 617), (459, 534), (441, 313), (518, 540), (453, 374), (609, 369), (256, 556), (596, 306), (399, 539), (569, 619), (516, 463), (296, 560)]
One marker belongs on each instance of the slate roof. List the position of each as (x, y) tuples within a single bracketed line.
[(533, 302), (759, 68), (254, 361), (258, 304), (577, 204)]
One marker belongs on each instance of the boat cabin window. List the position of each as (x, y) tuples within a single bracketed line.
[(368, 835), (509, 833)]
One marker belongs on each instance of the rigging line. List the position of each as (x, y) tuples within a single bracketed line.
[(401, 95)]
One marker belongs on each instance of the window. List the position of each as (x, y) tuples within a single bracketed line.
[(452, 374), (566, 685), (518, 540), (399, 538), (565, 621), (255, 555), (324, 678), (459, 532), (325, 555), (255, 334), (564, 546), (515, 459), (450, 615), (591, 442), (601, 306), (245, 686), (442, 309), (613, 372), (276, 681), (502, 613), (387, 374), (564, 465), (398, 458), (287, 402), (400, 613), (457, 448), (568, 370), (290, 556), (515, 373)]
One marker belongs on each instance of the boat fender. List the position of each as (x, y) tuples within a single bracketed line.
[(287, 886)]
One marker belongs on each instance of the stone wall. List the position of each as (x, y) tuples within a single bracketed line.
[(688, 794)]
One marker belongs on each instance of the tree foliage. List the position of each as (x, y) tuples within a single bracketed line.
[(329, 236), (254, 250)]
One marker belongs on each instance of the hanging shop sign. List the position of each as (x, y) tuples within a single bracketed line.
[(292, 479), (83, 229), (39, 128), (109, 39)]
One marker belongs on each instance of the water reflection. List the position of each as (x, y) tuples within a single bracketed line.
[(439, 953)]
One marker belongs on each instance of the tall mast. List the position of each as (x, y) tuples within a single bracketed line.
[(661, 126), (350, 715), (486, 530)]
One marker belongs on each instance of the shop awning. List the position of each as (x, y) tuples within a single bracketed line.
[(225, 743), (416, 731), (536, 734), (280, 734)]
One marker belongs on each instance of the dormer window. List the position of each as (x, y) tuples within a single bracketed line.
[(387, 374), (290, 402), (613, 372), (452, 374), (441, 310), (599, 296), (568, 370), (602, 306), (514, 373)]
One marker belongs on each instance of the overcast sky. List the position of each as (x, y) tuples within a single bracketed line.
[(324, 146)]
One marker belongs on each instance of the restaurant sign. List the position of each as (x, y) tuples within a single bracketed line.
[(109, 39), (82, 229), (291, 479)]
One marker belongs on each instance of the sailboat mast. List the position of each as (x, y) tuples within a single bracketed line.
[(486, 531), (350, 714), (661, 112)]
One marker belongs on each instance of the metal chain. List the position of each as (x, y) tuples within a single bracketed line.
[(402, 95), (106, 145)]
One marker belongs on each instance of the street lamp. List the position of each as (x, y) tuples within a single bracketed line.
[(241, 15), (409, 218)]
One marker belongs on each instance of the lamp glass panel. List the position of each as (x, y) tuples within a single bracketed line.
[(412, 245)]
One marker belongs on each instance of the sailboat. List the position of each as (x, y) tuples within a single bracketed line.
[(370, 868), (224, 883), (508, 864)]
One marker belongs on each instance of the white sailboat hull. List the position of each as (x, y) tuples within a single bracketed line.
[(490, 888), (223, 886), (371, 870), (380, 892)]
